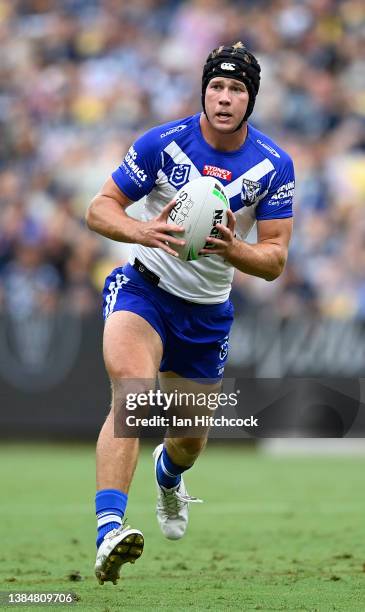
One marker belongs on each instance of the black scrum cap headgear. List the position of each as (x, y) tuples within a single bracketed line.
[(234, 62)]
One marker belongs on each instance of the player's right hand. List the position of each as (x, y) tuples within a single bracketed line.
[(156, 232)]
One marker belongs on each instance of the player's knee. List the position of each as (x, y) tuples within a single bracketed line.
[(124, 371), (126, 395)]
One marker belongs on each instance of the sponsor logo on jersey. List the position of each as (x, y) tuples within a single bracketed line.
[(130, 161), (285, 192), (268, 148), (228, 66), (178, 128), (179, 175), (220, 173), (250, 192)]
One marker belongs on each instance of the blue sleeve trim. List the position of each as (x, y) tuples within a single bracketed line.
[(137, 173), (118, 178), (282, 216)]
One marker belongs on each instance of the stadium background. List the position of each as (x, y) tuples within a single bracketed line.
[(79, 80)]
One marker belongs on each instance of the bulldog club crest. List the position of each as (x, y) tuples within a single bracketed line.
[(250, 192)]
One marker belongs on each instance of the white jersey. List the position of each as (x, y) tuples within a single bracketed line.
[(258, 179)]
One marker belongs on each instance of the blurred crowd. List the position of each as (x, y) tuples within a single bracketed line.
[(80, 79)]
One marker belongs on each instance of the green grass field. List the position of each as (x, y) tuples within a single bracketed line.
[(273, 533)]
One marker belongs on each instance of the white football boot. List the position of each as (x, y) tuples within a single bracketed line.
[(172, 505), (122, 545)]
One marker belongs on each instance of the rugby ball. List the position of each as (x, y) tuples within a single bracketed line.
[(200, 205)]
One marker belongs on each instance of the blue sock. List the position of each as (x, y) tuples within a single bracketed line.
[(167, 472), (110, 505)]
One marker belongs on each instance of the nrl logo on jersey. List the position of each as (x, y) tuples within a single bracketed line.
[(179, 175), (250, 192)]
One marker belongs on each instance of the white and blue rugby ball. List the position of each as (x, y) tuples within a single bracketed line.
[(200, 205)]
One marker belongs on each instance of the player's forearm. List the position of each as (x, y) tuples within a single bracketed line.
[(106, 217), (266, 260)]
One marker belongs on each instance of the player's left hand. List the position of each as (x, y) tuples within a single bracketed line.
[(223, 245)]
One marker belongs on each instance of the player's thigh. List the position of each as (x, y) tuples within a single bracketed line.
[(132, 347)]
